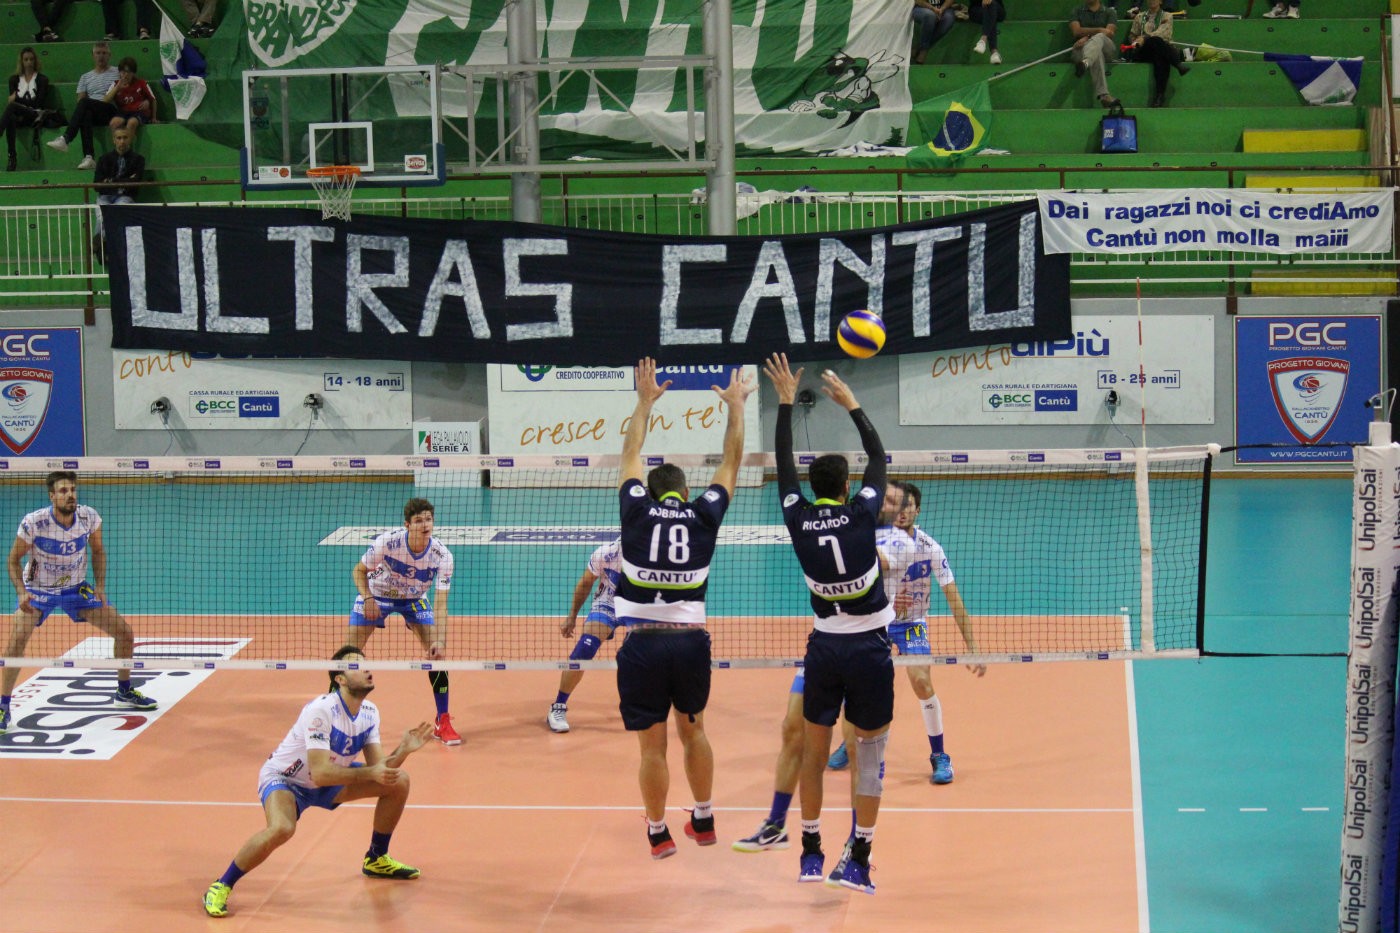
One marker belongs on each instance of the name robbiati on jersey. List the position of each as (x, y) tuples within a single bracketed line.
[(666, 551), (58, 556), (915, 563), (398, 573), (835, 544), (324, 724)]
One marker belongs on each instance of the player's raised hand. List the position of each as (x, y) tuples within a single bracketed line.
[(835, 389), (415, 738), (647, 389), (784, 379), (739, 389)]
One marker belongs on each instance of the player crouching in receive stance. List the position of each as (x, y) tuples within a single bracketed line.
[(848, 653), (664, 664), (58, 541), (315, 767)]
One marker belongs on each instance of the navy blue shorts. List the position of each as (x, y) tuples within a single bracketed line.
[(853, 669), (661, 669)]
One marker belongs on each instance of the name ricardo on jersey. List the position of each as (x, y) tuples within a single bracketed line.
[(826, 524)]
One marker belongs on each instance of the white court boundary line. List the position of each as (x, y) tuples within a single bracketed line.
[(1139, 834), (625, 808)]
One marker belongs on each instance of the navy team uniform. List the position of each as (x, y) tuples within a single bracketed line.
[(666, 552), (848, 651)]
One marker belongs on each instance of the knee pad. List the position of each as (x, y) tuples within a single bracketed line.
[(586, 648), (870, 765)]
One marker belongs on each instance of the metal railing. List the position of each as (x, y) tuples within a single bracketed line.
[(47, 256)]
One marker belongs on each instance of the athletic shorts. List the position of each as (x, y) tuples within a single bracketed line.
[(854, 669), (658, 669), (910, 637), (70, 601), (323, 797), (414, 611), (603, 617)]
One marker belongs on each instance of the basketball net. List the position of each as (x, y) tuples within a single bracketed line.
[(334, 186)]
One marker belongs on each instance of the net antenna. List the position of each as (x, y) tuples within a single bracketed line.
[(335, 186)]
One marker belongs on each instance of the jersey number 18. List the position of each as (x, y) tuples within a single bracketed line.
[(679, 550)]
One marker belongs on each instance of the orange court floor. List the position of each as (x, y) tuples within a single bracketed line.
[(519, 829)]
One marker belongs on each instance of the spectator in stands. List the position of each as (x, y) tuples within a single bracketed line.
[(1287, 10), (29, 89), (112, 18), (115, 172), (988, 13), (47, 13), (132, 98), (931, 23), (1151, 38), (93, 108), (1094, 26), (201, 14)]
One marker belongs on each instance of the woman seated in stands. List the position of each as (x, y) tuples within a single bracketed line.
[(1151, 39), (29, 90), (132, 97)]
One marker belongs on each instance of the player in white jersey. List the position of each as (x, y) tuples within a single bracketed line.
[(394, 576), (315, 766), (604, 568), (60, 542), (916, 561)]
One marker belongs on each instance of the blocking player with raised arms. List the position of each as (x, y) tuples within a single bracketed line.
[(848, 651), (664, 664), (393, 577), (915, 562), (315, 766), (605, 569), (60, 542)]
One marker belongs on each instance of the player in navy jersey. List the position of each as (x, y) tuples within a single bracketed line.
[(848, 651), (394, 576), (664, 664), (315, 766), (60, 542)]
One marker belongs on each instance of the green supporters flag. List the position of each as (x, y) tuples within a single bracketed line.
[(954, 126)]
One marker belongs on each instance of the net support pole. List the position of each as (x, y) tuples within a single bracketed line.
[(1142, 477), (1370, 678)]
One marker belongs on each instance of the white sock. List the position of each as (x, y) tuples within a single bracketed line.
[(865, 832), (654, 827), (812, 826), (933, 715), (702, 810)]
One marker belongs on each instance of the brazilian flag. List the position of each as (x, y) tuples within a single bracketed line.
[(955, 126)]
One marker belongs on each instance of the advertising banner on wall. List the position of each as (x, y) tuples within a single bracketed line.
[(1067, 381), (41, 392), (584, 410), (1222, 219), (207, 392), (1301, 382)]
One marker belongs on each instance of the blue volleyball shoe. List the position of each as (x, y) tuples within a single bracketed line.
[(839, 759), (942, 768)]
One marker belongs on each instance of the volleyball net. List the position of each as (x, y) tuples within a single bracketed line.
[(246, 562)]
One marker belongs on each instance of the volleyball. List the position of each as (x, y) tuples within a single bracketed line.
[(861, 334)]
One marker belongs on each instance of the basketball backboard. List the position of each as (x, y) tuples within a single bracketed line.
[(295, 119)]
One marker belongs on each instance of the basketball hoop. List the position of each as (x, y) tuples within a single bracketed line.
[(334, 185)]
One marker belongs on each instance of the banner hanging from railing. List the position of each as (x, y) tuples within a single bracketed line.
[(285, 282), (1239, 220)]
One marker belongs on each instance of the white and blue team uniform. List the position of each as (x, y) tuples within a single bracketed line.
[(325, 723), (605, 563), (55, 574), (399, 579), (916, 563)]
